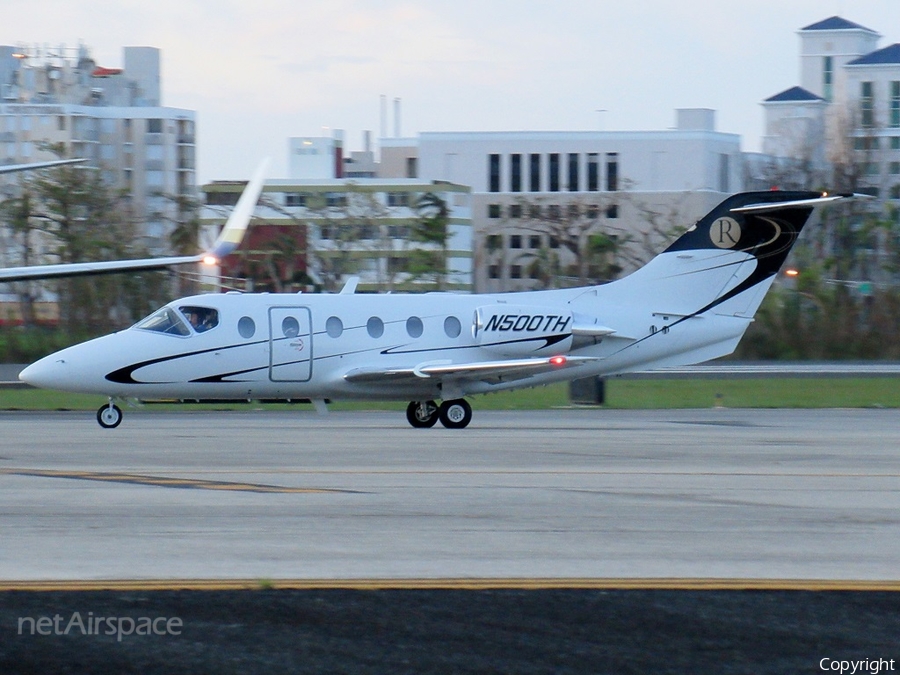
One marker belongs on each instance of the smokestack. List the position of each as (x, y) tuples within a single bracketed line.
[(383, 129), (367, 141), (396, 118)]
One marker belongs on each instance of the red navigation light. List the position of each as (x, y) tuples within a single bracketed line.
[(558, 360)]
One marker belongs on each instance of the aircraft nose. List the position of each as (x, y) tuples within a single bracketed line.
[(48, 373)]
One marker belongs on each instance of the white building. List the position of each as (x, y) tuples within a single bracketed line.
[(634, 187), (847, 107), (112, 116)]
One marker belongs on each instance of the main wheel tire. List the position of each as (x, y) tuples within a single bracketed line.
[(456, 413), (109, 416), (422, 414)]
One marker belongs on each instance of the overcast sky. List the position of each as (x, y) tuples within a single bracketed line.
[(260, 71)]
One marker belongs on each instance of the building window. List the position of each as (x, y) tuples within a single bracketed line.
[(398, 199), (593, 172), (493, 210), (515, 271), (336, 199), (895, 104), (827, 78), (554, 242), (534, 241), (515, 211), (554, 212), (895, 192), (515, 241), (534, 172), (573, 172), (612, 211), (867, 105), (154, 126), (895, 143), (554, 171), (573, 211), (534, 211), (294, 199), (515, 173), (493, 242), (895, 168), (493, 271), (412, 167), (494, 173), (593, 211), (612, 171)]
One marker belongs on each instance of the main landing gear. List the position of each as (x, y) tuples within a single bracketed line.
[(109, 416), (454, 414)]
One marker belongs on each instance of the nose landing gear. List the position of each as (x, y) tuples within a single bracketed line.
[(109, 416)]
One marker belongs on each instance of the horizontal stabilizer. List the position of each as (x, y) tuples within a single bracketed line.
[(796, 203)]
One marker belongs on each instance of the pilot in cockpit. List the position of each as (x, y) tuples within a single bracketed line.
[(201, 318)]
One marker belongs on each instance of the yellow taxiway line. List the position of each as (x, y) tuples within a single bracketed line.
[(473, 584)]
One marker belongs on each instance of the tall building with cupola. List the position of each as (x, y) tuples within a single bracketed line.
[(845, 111)]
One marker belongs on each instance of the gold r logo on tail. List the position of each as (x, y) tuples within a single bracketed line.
[(725, 233)]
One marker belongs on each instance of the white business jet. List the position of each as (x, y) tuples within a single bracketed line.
[(690, 304)]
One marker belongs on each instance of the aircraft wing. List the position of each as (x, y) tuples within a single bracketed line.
[(229, 239), (486, 371), (9, 168)]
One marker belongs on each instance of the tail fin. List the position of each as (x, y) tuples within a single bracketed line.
[(762, 224), (731, 254)]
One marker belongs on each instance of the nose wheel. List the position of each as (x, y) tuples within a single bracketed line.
[(109, 416)]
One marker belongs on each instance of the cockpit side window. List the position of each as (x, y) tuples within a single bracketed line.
[(201, 319), (166, 320)]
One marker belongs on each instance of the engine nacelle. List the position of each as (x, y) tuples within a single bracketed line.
[(523, 330)]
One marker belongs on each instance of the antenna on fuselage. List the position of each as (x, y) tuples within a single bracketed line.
[(350, 286)]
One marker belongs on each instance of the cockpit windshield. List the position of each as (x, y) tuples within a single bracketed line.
[(171, 322), (165, 320), (201, 319)]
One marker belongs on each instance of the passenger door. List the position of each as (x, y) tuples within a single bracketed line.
[(290, 344)]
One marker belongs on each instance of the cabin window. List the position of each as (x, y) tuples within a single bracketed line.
[(290, 327), (334, 327), (201, 319), (414, 327), (166, 321), (452, 327), (375, 326), (246, 327)]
